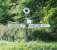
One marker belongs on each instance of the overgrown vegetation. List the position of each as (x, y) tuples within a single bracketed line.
[(42, 12)]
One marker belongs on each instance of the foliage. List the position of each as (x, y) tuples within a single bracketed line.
[(42, 11)]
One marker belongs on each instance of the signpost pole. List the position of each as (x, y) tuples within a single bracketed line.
[(26, 35), (29, 25), (26, 12)]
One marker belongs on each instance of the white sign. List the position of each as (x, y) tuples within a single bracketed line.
[(29, 21), (38, 25)]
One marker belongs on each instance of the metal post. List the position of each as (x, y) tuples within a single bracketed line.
[(26, 35), (26, 11)]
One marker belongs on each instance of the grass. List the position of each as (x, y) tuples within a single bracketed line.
[(8, 46), (33, 45)]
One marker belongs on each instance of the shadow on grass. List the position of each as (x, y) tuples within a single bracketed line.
[(43, 36)]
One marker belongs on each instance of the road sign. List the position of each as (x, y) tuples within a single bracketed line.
[(26, 10), (38, 25), (29, 21)]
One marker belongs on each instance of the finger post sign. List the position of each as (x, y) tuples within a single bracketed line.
[(38, 25)]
